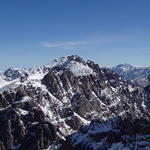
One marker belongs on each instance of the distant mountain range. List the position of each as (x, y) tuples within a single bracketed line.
[(73, 104), (139, 76)]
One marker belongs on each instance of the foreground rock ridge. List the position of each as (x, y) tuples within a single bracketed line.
[(72, 104)]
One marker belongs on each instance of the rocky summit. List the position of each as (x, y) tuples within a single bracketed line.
[(72, 104)]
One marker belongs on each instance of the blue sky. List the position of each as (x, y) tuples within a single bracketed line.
[(108, 32)]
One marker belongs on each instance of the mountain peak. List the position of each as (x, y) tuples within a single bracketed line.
[(76, 58), (69, 58), (72, 63), (14, 73), (126, 65), (73, 57)]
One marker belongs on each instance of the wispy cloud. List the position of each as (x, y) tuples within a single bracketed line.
[(49, 45)]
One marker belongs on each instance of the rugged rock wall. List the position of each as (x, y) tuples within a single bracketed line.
[(45, 105), (115, 133)]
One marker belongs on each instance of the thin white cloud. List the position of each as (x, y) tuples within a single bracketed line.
[(49, 45)]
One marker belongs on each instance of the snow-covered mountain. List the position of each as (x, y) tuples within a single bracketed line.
[(136, 75), (42, 106), (71, 63)]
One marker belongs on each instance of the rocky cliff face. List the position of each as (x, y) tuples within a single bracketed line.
[(115, 133), (44, 105)]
